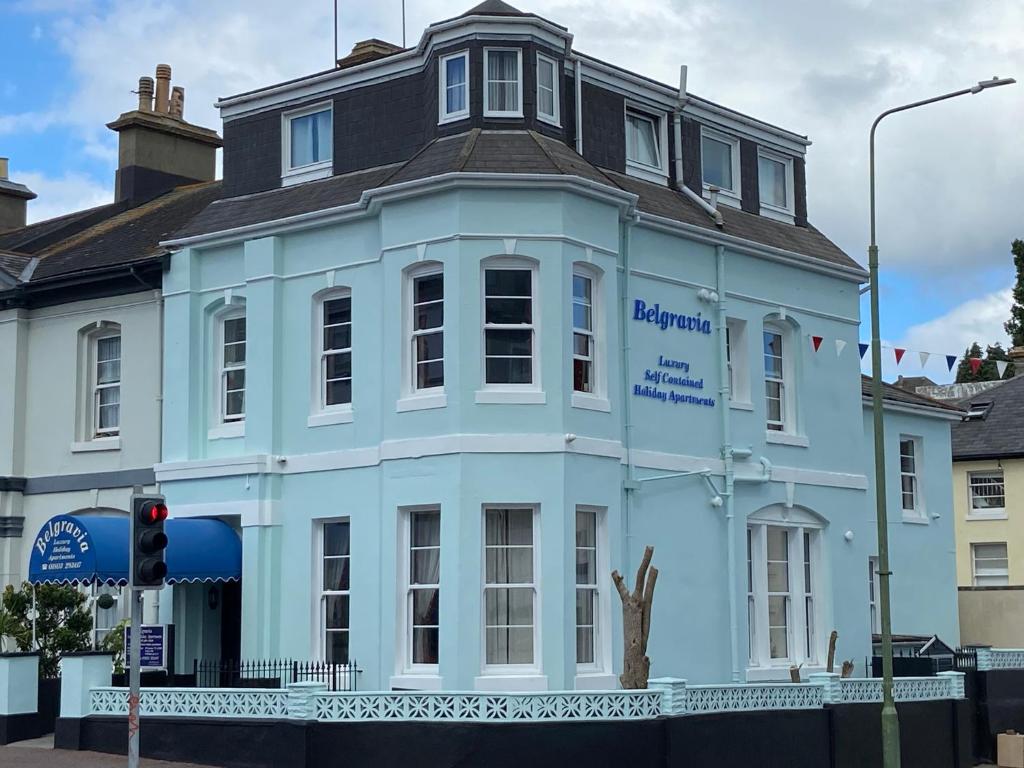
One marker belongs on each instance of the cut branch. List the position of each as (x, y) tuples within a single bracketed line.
[(636, 622)]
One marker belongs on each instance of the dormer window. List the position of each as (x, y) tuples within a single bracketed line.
[(720, 164), (645, 143), (978, 410), (307, 144), (775, 184), (547, 89), (503, 81), (454, 87)]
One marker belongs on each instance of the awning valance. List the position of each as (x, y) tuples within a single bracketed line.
[(82, 550)]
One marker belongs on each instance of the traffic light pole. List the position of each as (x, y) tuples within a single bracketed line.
[(134, 678)]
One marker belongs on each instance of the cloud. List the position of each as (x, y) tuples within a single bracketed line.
[(980, 319), (63, 194)]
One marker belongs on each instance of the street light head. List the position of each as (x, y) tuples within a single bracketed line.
[(993, 83)]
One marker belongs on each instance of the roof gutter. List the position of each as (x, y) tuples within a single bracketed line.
[(919, 410)]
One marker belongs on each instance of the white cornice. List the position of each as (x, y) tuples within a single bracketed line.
[(397, 65)]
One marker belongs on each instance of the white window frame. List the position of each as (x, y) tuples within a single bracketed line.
[(788, 423), (488, 112), (602, 606), (511, 392), (406, 665), (995, 573), (656, 173), (501, 670), (97, 387), (319, 170), (733, 197), (320, 413), (552, 118), (442, 89), (86, 436), (797, 522), (596, 400), (738, 361), (224, 427), (985, 513), (918, 514), (117, 613), (874, 589), (320, 604), (412, 396), (781, 213)]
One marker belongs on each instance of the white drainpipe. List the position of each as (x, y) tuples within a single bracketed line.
[(677, 129), (577, 69)]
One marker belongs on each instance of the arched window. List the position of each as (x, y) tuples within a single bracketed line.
[(785, 612), (779, 375), (100, 391), (331, 395), (230, 352)]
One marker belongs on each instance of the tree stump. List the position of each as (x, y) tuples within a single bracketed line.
[(636, 622), (830, 667)]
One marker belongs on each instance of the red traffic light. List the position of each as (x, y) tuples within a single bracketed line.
[(152, 512)]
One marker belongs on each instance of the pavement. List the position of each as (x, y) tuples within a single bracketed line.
[(39, 753)]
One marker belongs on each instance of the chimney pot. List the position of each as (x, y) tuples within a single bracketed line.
[(4, 169), (178, 102), (163, 89), (145, 94)]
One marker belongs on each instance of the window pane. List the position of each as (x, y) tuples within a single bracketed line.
[(430, 375), (428, 288), (339, 365), (430, 346), (510, 646), (426, 529), (338, 311), (234, 403), (581, 288), (507, 282), (425, 606), (513, 565), (109, 416), (455, 85), (234, 354), (586, 566), (509, 311), (586, 529), (311, 138), (235, 380), (508, 607), (337, 647), (336, 574), (585, 606), (339, 392), (336, 538), (716, 159), (337, 611), (515, 343), (778, 544), (641, 141), (426, 565), (234, 330), (425, 641), (581, 316), (338, 337), (428, 316), (584, 645), (509, 370), (545, 74), (503, 81), (772, 182), (510, 526)]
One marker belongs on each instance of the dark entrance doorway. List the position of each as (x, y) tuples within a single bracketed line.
[(231, 620)]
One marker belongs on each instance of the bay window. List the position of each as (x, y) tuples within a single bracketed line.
[(453, 87), (426, 342), (334, 591), (547, 89), (509, 325), (503, 78), (588, 591), (423, 588), (582, 332), (510, 589)]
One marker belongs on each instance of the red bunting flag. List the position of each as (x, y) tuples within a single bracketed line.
[(975, 364), (899, 354), (816, 341)]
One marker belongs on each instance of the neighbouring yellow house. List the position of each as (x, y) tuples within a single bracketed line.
[(988, 501)]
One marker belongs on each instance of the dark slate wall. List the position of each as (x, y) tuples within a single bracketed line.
[(252, 154), (604, 128), (751, 201), (691, 155), (800, 192)]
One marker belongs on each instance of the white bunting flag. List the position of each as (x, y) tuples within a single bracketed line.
[(924, 358), (840, 346), (1001, 367)]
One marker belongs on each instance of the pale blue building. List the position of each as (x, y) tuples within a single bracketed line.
[(477, 321)]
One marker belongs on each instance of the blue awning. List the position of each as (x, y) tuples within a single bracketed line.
[(83, 550)]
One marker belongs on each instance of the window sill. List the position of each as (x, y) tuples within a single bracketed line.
[(97, 444), (786, 438), (525, 682), (554, 121), (421, 402), (991, 515), (913, 518), (778, 214), (324, 418), (596, 681), (741, 405), (590, 402), (651, 173), (307, 173), (780, 673), (222, 431), (513, 396), (410, 681), (449, 119)]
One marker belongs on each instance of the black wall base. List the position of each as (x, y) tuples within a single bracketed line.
[(934, 734), (19, 727)]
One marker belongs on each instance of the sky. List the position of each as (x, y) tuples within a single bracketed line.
[(949, 175)]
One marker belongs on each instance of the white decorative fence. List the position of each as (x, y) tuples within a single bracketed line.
[(990, 659), (666, 696), (489, 707), (193, 702)]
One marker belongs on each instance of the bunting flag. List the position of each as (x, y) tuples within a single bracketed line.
[(840, 346), (899, 352), (1001, 367), (863, 349), (816, 342), (950, 361), (924, 358), (975, 364)]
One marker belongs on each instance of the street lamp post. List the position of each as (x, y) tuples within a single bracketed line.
[(890, 720)]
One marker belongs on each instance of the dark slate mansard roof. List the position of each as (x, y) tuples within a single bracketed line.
[(511, 152), (1000, 431)]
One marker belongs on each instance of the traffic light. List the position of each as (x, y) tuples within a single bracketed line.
[(149, 541)]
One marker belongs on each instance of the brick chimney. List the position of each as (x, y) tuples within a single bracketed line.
[(157, 148), (1016, 354), (368, 50), (14, 199)]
